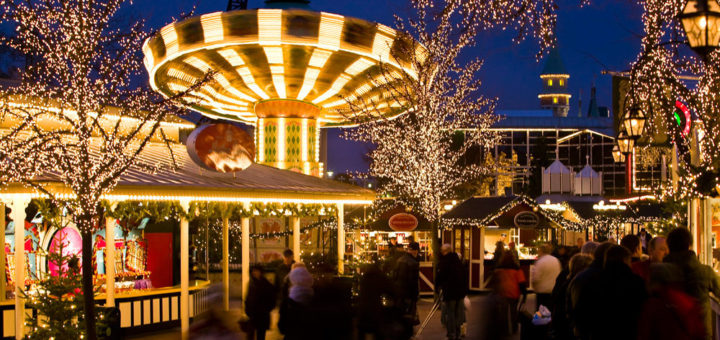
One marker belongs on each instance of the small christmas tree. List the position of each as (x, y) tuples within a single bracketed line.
[(58, 300)]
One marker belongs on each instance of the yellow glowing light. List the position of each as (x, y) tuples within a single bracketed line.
[(330, 31), (261, 140), (549, 82), (311, 75), (179, 74), (702, 22), (228, 87), (338, 85), (359, 66), (170, 39), (281, 140), (304, 139), (317, 141), (232, 57), (198, 64), (562, 82), (545, 76), (278, 77), (383, 42), (212, 27), (550, 95), (269, 26), (555, 100), (274, 54), (249, 80)]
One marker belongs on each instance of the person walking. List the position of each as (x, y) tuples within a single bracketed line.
[(657, 249), (543, 275), (451, 284), (500, 314), (669, 313), (259, 303), (632, 244), (376, 317), (620, 300), (584, 292), (644, 237), (407, 276), (295, 320), (698, 279), (281, 283), (560, 321)]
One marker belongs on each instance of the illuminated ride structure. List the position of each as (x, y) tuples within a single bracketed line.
[(288, 72)]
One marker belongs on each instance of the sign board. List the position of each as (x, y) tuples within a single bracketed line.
[(403, 222), (526, 219), (221, 147)]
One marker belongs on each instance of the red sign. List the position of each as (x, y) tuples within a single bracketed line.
[(221, 147), (403, 222)]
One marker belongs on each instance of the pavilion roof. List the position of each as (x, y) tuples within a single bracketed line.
[(192, 182)]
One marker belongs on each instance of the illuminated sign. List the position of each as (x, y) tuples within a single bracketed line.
[(682, 118)]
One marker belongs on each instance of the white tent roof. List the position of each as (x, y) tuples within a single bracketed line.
[(557, 168), (587, 172)]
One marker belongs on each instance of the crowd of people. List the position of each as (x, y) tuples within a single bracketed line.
[(644, 288)]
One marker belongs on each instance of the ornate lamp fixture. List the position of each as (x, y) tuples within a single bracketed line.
[(625, 143), (635, 123), (701, 22), (618, 156)]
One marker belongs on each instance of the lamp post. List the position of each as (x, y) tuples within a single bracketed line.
[(617, 155), (701, 22), (625, 145)]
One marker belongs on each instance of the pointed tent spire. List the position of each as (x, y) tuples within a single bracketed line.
[(593, 109)]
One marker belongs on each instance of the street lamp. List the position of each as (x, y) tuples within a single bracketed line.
[(617, 155), (701, 22), (625, 143), (634, 123)]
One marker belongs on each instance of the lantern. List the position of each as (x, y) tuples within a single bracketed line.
[(625, 143), (617, 155), (701, 22), (634, 123)]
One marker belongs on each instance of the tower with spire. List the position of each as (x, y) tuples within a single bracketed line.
[(554, 77)]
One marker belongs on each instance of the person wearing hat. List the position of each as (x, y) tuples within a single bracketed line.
[(406, 286)]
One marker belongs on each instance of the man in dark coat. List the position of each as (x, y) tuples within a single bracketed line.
[(583, 293), (698, 279), (259, 302), (407, 276), (451, 283), (281, 273)]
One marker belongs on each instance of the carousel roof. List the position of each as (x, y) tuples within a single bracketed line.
[(190, 181), (557, 167)]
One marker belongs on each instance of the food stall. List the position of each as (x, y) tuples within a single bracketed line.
[(372, 241), (474, 227)]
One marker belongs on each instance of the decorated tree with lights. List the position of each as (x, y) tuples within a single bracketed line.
[(76, 114), (418, 157), (677, 90)]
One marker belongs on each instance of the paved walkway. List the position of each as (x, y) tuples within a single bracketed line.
[(433, 330)]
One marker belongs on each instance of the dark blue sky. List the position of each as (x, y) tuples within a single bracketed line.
[(602, 36)]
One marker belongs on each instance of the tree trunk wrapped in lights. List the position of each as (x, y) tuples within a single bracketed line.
[(419, 158), (75, 114)]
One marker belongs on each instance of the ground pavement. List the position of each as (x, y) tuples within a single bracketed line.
[(433, 330)]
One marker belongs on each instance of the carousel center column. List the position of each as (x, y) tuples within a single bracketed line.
[(341, 238), (18, 205), (184, 272)]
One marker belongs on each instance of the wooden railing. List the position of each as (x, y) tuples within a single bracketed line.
[(140, 311)]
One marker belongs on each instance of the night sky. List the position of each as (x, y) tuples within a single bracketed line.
[(602, 36)]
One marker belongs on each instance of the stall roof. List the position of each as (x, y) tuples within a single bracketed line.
[(191, 182), (486, 210)]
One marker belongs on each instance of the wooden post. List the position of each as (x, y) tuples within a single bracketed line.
[(482, 257), (341, 238), (295, 221), (18, 216), (245, 239), (110, 262), (226, 263), (184, 273), (3, 279)]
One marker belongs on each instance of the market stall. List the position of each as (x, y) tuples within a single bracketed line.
[(475, 226)]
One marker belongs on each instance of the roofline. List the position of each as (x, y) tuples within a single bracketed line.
[(563, 139), (205, 194)]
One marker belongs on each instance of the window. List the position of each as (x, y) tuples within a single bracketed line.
[(555, 100), (562, 82), (549, 82)]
